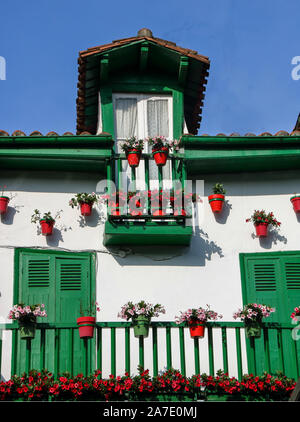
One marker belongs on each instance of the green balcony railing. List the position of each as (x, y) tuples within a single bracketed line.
[(146, 228), (275, 351)]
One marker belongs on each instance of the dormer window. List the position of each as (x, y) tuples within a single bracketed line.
[(142, 115)]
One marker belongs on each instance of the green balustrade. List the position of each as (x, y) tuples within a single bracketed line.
[(95, 352)]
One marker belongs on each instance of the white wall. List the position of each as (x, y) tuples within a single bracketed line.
[(179, 278)]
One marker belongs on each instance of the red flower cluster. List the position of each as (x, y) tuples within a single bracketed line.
[(266, 386), (42, 386)]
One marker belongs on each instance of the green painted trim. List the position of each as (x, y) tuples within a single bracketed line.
[(239, 154), (107, 111), (145, 233), (178, 116)]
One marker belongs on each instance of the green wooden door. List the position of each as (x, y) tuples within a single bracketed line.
[(63, 282), (273, 279)]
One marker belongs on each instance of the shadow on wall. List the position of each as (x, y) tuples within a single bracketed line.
[(97, 218), (201, 250), (273, 238), (221, 217)]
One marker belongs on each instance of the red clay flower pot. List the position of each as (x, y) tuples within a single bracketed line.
[(196, 329), (180, 212), (216, 202), (86, 326), (159, 212), (86, 209), (115, 211), (295, 200), (160, 156), (261, 229), (4, 200), (133, 157), (47, 227)]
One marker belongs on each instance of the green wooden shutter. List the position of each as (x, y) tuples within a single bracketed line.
[(73, 291), (273, 279), (63, 282)]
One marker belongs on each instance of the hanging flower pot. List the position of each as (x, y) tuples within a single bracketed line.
[(85, 201), (252, 315), (261, 229), (253, 330), (180, 212), (197, 328), (133, 157), (133, 149), (160, 156), (216, 202), (86, 326), (47, 227), (27, 329), (26, 316), (295, 200), (140, 313), (196, 318), (4, 200), (115, 210), (141, 325), (159, 212), (261, 220), (85, 209)]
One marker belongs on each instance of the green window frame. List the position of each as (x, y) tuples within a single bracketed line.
[(273, 278), (65, 282)]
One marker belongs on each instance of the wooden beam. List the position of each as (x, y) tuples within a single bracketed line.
[(144, 54), (183, 69), (104, 68)]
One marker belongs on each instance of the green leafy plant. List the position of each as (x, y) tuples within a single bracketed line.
[(218, 189), (83, 198), (133, 310), (132, 143), (159, 142), (89, 309), (259, 217), (36, 216)]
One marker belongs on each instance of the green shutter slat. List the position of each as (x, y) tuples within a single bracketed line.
[(292, 273), (38, 273), (265, 277), (70, 276)]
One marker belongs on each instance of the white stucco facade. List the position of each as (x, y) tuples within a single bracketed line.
[(207, 272)]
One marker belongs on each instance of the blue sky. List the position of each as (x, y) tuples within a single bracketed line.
[(250, 44)]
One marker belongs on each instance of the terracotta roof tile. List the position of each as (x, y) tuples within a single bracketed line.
[(83, 55)]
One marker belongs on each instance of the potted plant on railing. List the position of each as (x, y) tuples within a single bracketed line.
[(216, 200), (4, 200), (196, 319), (136, 202), (85, 201), (26, 316), (140, 313), (252, 315), (160, 148), (86, 322), (160, 199), (47, 222), (181, 201), (295, 200), (261, 221), (133, 149), (115, 200)]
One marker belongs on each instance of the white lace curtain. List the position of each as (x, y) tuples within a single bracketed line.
[(126, 117), (157, 118)]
